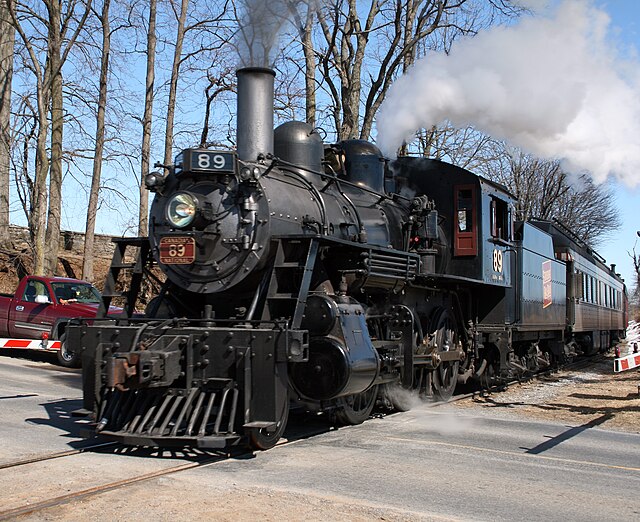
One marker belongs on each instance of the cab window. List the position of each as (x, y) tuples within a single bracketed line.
[(465, 233), (499, 219), (36, 291)]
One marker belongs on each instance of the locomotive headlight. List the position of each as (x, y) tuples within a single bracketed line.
[(181, 209)]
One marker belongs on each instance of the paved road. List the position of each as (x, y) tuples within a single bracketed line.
[(35, 400), (426, 464)]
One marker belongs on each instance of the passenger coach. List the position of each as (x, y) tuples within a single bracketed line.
[(597, 303)]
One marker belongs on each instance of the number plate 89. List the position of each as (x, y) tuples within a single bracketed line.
[(177, 250)]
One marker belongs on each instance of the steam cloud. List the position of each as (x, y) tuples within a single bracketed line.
[(260, 26), (554, 86)]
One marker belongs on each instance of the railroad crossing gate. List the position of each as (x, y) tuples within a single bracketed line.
[(627, 362)]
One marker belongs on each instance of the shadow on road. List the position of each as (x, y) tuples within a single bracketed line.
[(572, 432), (58, 415)]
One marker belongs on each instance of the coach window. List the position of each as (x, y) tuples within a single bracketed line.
[(587, 291), (466, 239), (600, 293), (579, 290)]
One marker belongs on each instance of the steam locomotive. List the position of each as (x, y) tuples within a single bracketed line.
[(299, 274)]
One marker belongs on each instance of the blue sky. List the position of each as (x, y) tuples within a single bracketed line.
[(625, 22)]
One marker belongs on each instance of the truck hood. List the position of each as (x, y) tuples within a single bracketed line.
[(86, 309)]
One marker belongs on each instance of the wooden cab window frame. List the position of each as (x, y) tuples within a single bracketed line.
[(465, 230)]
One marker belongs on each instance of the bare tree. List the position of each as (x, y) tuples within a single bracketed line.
[(544, 190), (54, 59), (87, 265), (360, 56), (143, 216), (37, 215), (58, 25), (634, 286), (173, 82), (7, 40), (304, 25), (60, 28)]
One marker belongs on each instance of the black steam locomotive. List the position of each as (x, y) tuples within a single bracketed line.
[(321, 277)]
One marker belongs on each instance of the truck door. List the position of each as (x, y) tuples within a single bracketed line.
[(28, 317)]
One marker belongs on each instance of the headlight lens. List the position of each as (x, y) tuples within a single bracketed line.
[(181, 210)]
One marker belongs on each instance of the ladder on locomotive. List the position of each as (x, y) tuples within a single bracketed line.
[(119, 266), (290, 280)]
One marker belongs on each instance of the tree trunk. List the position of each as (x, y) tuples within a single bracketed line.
[(87, 265), (38, 221), (143, 219), (173, 85), (52, 237), (7, 40)]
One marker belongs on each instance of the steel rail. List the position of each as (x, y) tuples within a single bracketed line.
[(498, 388), (10, 514), (52, 456), (78, 495)]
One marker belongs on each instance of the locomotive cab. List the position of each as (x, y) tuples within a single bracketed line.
[(479, 230)]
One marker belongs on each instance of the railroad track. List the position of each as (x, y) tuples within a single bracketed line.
[(579, 364), (209, 459), (79, 495), (53, 456)]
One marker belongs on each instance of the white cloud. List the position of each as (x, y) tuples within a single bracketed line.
[(553, 85)]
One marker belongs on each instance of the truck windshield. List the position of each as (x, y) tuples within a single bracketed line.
[(82, 293)]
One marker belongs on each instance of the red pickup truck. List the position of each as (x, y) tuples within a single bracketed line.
[(36, 316)]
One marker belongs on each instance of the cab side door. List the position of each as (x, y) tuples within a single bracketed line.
[(29, 317)]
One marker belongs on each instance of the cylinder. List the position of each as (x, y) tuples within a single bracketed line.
[(254, 112)]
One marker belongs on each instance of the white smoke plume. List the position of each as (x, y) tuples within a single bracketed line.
[(553, 85), (260, 25)]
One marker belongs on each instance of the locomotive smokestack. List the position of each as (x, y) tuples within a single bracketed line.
[(255, 112)]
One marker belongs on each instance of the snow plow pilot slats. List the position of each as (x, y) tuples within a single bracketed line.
[(160, 416)]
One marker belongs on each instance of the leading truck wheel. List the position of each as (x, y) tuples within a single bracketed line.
[(261, 439), (67, 357)]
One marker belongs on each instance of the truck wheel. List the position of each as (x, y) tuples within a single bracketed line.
[(67, 357)]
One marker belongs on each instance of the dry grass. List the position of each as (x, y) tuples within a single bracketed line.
[(595, 396)]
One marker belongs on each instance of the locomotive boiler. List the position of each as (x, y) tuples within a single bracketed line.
[(321, 277)]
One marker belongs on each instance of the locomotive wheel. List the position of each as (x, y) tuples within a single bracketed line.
[(445, 376), (261, 439), (355, 409)]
